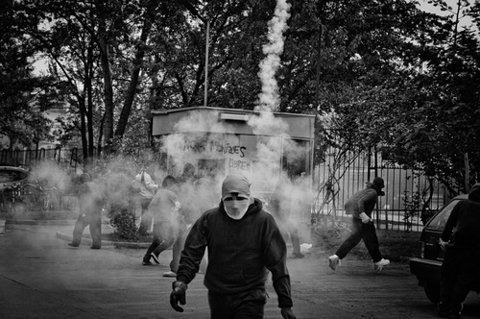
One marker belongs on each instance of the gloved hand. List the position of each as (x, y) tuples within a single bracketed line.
[(365, 218), (179, 288), (287, 313)]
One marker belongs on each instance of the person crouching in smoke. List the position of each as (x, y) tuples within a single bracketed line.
[(282, 206), (243, 242)]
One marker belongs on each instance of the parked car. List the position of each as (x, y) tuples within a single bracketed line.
[(427, 268)]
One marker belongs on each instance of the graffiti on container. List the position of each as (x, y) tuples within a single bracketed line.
[(215, 147), (243, 165)]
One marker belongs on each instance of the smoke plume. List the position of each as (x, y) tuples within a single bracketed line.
[(269, 98)]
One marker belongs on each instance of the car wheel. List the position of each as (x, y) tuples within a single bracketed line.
[(433, 292)]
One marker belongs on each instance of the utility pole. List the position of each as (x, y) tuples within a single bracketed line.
[(207, 36)]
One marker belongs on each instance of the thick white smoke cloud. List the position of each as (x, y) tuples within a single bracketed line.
[(49, 175), (294, 191), (272, 143), (184, 149), (270, 150), (269, 97)]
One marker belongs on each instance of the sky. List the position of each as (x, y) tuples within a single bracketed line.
[(424, 5)]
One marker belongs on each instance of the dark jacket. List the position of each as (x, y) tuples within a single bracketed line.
[(362, 202), (239, 253), (463, 224)]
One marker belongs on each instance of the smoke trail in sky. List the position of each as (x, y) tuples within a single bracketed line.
[(265, 123), (269, 97)]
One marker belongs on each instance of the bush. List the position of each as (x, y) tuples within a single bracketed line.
[(123, 222)]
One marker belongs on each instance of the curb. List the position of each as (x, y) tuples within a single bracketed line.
[(118, 244), (60, 222)]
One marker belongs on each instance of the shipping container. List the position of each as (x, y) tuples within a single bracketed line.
[(217, 141)]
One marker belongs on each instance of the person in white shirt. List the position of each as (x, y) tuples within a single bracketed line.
[(146, 188)]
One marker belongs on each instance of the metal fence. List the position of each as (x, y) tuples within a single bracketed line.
[(68, 158), (31, 195), (410, 197)]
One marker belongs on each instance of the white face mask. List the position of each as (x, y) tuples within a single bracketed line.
[(236, 207)]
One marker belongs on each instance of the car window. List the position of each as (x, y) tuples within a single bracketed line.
[(438, 221)]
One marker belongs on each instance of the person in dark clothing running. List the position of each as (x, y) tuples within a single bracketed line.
[(360, 206), (461, 266), (91, 200), (243, 242), (166, 222)]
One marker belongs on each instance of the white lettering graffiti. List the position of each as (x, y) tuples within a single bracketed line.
[(239, 164)]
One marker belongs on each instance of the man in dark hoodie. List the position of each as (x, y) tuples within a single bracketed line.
[(360, 206), (243, 242), (461, 242)]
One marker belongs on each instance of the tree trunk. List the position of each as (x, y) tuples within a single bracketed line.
[(137, 65), (107, 84), (88, 90), (83, 129), (154, 93), (466, 162), (457, 19), (100, 135)]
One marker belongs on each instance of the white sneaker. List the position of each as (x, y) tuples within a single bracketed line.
[(169, 274), (333, 262), (378, 266)]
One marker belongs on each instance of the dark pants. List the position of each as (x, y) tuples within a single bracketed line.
[(460, 273), (94, 221), (238, 306), (163, 238), (289, 230), (165, 234), (295, 241), (361, 231), (177, 248)]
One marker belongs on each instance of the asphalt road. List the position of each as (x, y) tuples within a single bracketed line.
[(41, 277)]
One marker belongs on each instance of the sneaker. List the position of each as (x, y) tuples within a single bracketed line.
[(170, 274), (333, 262), (155, 258), (378, 266), (147, 263), (95, 247), (73, 245)]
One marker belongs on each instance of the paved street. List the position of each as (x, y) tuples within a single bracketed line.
[(41, 277)]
